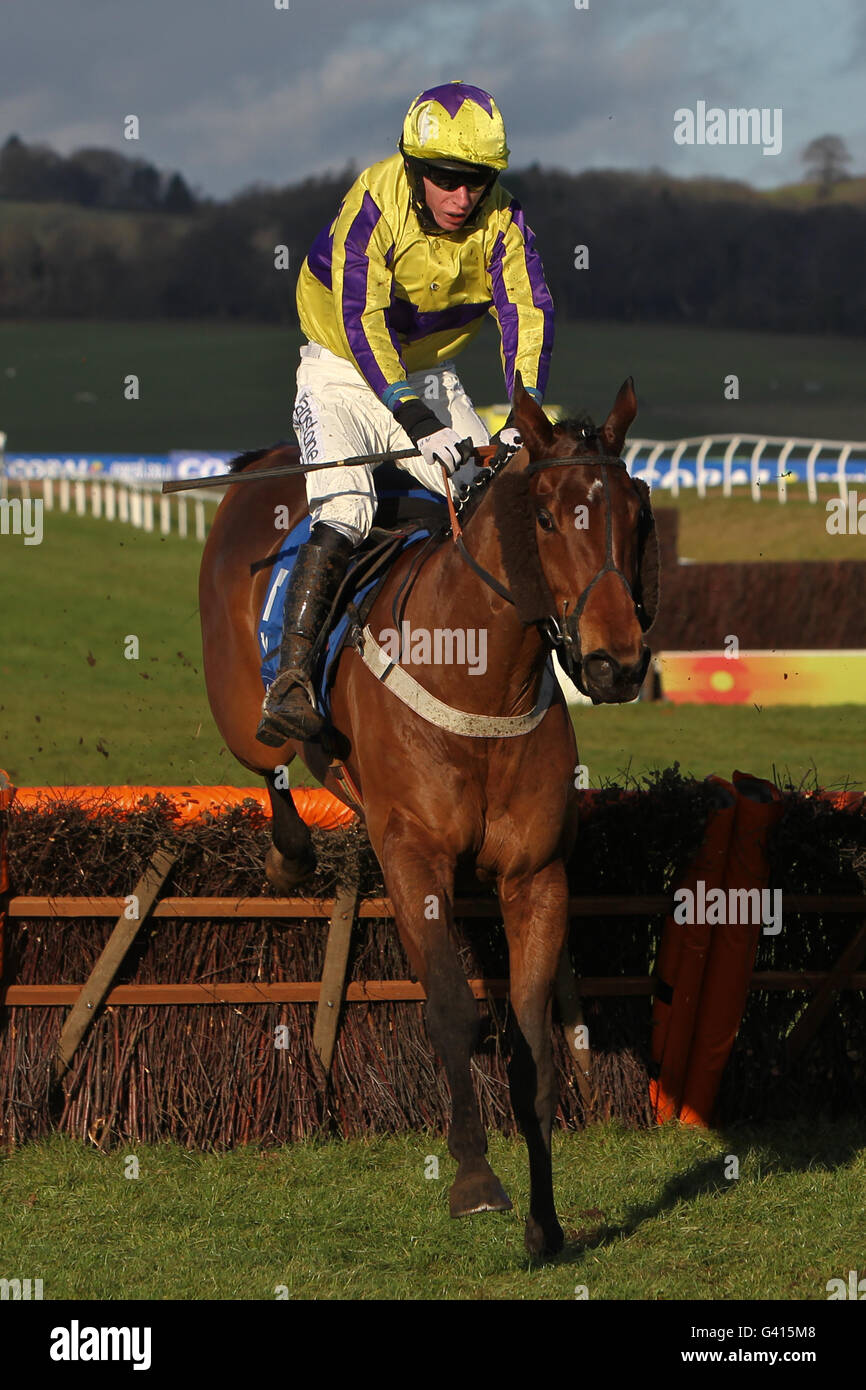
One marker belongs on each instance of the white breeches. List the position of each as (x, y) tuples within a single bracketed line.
[(337, 415)]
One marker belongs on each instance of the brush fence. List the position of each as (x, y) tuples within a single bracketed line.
[(206, 1027)]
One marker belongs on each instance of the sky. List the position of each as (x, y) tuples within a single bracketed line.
[(238, 92)]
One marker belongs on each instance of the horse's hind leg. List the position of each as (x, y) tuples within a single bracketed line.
[(291, 858), (535, 913), (419, 877)]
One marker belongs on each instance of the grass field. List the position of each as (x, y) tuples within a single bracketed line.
[(228, 386), (74, 709), (647, 1215)]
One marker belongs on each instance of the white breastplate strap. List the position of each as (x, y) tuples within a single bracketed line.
[(456, 721)]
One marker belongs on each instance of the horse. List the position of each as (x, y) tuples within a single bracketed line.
[(558, 550)]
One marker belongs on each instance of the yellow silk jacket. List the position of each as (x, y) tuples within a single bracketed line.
[(377, 289)]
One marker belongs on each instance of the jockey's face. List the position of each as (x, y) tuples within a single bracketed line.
[(449, 208)]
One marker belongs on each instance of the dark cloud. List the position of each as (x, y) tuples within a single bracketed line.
[(236, 91)]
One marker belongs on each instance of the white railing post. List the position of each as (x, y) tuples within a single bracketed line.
[(651, 463), (811, 484), (165, 515), (675, 466), (48, 493), (700, 474), (841, 476), (728, 464), (781, 470), (754, 470)]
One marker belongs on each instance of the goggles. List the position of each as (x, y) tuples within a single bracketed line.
[(470, 176)]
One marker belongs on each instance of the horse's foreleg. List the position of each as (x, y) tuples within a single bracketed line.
[(535, 913), (291, 858), (419, 876)]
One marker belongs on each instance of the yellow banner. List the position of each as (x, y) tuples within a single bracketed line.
[(763, 678)]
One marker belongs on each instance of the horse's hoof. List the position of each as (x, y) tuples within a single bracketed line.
[(543, 1241), (478, 1191), (285, 874)]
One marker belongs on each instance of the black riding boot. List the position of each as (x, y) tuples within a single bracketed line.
[(289, 709)]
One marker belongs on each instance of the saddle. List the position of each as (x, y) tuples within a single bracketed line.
[(406, 514)]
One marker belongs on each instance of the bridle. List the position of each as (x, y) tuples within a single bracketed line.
[(552, 626)]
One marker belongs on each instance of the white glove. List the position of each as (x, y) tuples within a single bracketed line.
[(443, 447), (511, 438)]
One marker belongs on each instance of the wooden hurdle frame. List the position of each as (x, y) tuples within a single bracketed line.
[(331, 991)]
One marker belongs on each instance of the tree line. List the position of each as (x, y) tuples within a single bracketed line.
[(630, 247)]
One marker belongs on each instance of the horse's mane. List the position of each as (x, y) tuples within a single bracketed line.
[(239, 463)]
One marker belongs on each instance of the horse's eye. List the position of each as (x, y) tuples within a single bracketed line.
[(545, 520)]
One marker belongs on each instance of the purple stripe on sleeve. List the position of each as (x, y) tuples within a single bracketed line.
[(320, 255), (354, 302), (506, 312), (541, 296)]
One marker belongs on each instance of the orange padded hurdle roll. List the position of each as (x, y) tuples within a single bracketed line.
[(316, 806)]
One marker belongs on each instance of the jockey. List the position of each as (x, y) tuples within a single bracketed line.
[(425, 243)]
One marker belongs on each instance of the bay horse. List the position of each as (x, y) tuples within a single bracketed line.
[(554, 551)]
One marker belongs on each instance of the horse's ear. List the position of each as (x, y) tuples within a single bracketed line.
[(646, 588), (534, 426), (616, 426)]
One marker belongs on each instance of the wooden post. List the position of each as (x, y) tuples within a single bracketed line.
[(813, 1015), (7, 792), (101, 976), (334, 971)]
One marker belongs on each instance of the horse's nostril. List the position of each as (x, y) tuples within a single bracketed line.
[(601, 668)]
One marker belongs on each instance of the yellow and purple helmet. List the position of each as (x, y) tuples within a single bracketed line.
[(453, 129), (455, 122)]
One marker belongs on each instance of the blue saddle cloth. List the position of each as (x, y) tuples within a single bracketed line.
[(270, 624)]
